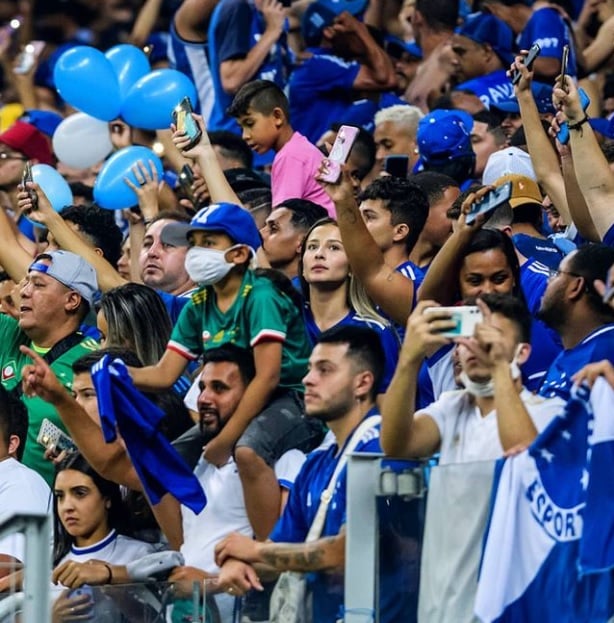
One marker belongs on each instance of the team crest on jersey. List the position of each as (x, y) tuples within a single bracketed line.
[(9, 371)]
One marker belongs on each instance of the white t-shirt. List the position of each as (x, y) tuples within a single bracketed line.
[(225, 510), (116, 549), (22, 490), (468, 436)]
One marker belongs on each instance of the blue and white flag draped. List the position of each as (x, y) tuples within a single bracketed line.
[(549, 549), (160, 468)]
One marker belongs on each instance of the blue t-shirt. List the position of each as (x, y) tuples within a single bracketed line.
[(492, 88), (300, 511), (321, 92), (608, 239), (594, 347), (235, 28), (387, 335), (174, 304), (549, 30), (190, 58), (540, 249)]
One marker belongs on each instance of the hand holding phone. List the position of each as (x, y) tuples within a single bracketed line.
[(489, 202), (528, 61), (28, 57), (562, 136), (564, 61), (25, 178), (185, 122), (339, 153), (465, 318), (51, 437)]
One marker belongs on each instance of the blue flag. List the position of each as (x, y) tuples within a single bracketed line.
[(122, 407), (548, 552)]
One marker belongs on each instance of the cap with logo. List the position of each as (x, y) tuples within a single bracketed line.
[(525, 191), (485, 28), (228, 218), (321, 14), (70, 270), (444, 135), (542, 94), (511, 160)]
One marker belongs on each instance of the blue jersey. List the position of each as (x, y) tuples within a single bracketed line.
[(190, 58), (300, 511), (174, 304), (551, 32), (387, 335), (235, 28), (492, 88), (321, 93), (540, 249), (608, 239), (594, 347)]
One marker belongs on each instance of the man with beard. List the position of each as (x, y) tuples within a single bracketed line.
[(572, 306)]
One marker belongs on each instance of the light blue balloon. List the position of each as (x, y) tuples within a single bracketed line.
[(110, 189), (150, 102), (54, 186), (85, 78), (129, 64)]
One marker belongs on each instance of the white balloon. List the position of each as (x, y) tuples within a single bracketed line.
[(81, 141)]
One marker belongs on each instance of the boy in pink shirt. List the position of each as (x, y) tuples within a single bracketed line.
[(262, 111)]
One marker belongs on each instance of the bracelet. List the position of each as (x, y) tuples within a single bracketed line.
[(147, 221), (110, 570), (578, 126)]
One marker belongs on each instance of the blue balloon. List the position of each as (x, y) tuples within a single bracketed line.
[(129, 64), (150, 102), (85, 78), (110, 189), (53, 185)]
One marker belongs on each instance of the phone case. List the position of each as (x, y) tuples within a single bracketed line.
[(528, 61), (340, 152), (490, 202), (25, 178), (49, 435), (27, 57), (183, 120), (396, 166), (562, 136)]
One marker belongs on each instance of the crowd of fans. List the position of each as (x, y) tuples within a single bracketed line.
[(266, 307)]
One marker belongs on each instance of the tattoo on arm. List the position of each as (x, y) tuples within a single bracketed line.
[(301, 556)]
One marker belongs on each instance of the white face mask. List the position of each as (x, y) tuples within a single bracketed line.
[(207, 266), (486, 389)]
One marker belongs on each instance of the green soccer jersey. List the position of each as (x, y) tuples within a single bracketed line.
[(12, 362), (260, 313)]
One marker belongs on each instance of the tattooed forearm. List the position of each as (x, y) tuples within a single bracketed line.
[(326, 553)]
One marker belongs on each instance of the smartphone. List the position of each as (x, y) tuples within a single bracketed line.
[(50, 436), (27, 177), (396, 165), (562, 136), (466, 317), (340, 152), (529, 59), (186, 179), (564, 61), (28, 57), (184, 122), (490, 202)]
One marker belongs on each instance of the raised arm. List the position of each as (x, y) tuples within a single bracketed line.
[(13, 257), (389, 289)]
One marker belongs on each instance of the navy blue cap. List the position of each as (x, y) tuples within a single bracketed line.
[(486, 28), (444, 135), (322, 13), (542, 93), (227, 218), (395, 46)]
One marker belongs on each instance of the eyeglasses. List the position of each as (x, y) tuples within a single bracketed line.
[(5, 156), (555, 272)]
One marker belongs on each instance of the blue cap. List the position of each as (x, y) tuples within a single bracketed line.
[(395, 46), (444, 135), (542, 93), (227, 218), (322, 13), (486, 28), (44, 121)]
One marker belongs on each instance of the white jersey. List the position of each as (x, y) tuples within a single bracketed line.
[(22, 490), (116, 549), (468, 436), (225, 510)]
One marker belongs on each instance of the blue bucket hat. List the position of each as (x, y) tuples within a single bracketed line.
[(321, 14), (444, 135), (542, 93), (486, 28), (227, 218)]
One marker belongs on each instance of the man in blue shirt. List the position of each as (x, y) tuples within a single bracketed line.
[(573, 307), (340, 387)]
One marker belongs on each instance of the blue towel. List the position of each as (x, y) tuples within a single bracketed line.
[(159, 467)]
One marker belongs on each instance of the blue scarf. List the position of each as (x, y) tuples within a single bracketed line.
[(160, 468)]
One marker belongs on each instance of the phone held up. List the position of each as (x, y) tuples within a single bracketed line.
[(184, 122), (529, 59), (339, 153), (396, 165), (25, 178), (186, 179), (465, 317), (490, 202)]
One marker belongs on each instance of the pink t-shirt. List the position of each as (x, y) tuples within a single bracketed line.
[(293, 174)]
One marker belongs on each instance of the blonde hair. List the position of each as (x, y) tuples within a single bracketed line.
[(408, 116)]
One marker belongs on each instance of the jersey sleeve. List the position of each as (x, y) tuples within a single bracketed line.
[(288, 467), (267, 313), (292, 526), (232, 31), (186, 337)]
